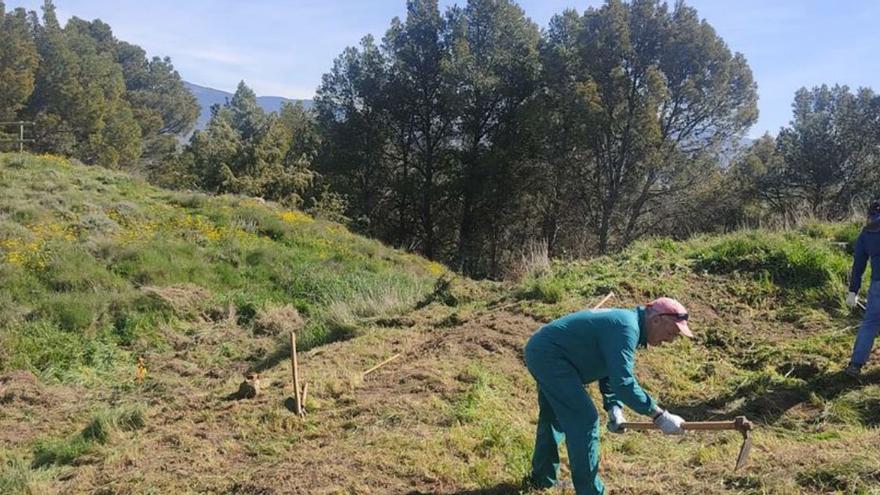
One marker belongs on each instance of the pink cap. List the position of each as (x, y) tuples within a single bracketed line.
[(669, 306)]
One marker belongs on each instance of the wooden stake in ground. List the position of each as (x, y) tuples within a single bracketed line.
[(295, 369), (604, 300), (383, 363)]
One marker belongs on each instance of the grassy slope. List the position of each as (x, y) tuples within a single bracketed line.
[(88, 284)]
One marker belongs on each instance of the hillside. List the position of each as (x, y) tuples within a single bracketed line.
[(99, 269)]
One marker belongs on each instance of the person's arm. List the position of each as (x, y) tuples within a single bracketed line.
[(609, 400), (860, 261), (618, 348)]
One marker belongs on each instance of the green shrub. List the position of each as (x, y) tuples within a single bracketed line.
[(45, 349), (790, 261), (848, 233), (261, 221), (70, 270), (72, 312)]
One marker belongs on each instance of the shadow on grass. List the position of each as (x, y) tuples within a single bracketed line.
[(304, 343), (767, 402)]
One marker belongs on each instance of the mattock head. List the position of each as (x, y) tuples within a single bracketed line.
[(744, 426)]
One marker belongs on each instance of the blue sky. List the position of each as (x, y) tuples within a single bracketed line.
[(282, 48)]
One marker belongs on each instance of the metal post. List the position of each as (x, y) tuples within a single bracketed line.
[(21, 138)]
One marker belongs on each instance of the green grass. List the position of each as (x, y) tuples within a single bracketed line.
[(495, 443), (79, 247), (542, 288), (18, 478), (856, 477), (99, 269), (98, 432)]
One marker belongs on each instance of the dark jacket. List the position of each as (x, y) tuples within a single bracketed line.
[(867, 247)]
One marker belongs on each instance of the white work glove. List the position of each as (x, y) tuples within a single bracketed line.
[(615, 419), (852, 299), (669, 423)]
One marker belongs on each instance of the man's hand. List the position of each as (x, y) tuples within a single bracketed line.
[(669, 423), (615, 419), (852, 299)]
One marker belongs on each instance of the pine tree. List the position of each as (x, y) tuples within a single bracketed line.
[(78, 102), (18, 62)]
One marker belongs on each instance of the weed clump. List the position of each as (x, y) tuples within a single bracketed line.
[(546, 289), (98, 432)]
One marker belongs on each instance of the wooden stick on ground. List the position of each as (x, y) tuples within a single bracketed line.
[(295, 369), (383, 363), (604, 300)]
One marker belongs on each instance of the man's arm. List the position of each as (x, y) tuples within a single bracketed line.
[(860, 261), (618, 349), (609, 400)]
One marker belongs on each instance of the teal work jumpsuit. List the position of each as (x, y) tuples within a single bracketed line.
[(562, 356)]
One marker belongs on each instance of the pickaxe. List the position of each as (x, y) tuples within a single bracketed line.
[(740, 424)]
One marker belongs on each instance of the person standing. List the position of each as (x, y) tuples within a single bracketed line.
[(867, 248)]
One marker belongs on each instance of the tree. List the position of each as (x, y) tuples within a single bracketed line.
[(351, 123), (215, 151), (92, 96), (828, 148), (420, 81), (496, 66), (754, 185), (78, 101), (163, 107), (18, 62), (561, 130), (661, 92), (245, 151)]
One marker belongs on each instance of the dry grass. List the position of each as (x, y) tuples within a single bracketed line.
[(534, 261)]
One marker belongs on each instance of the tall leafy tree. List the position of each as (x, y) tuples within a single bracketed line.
[(752, 183), (78, 101), (830, 147), (351, 120), (215, 151), (18, 62), (465, 134), (420, 81), (496, 66), (661, 92), (562, 132), (245, 151), (163, 107)]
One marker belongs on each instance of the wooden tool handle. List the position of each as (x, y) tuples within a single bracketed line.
[(687, 425), (604, 300)]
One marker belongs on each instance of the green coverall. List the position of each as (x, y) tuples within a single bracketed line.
[(562, 356)]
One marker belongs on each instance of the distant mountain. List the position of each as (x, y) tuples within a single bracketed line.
[(211, 96)]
